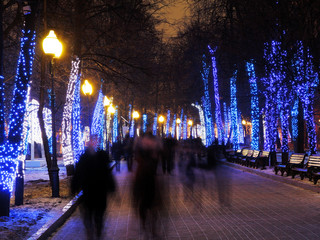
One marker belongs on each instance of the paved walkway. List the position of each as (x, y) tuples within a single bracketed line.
[(250, 207)]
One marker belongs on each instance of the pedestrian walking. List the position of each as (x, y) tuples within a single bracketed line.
[(147, 192), (93, 176)]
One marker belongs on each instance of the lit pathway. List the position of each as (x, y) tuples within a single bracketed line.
[(260, 209)]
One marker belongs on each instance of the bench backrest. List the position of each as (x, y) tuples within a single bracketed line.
[(245, 152), (265, 154), (314, 161), (297, 158), (255, 153), (249, 154)]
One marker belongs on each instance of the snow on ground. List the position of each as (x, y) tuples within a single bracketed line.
[(39, 207)]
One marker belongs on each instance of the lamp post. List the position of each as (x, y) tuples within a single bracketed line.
[(135, 115), (111, 110), (53, 48), (106, 103), (87, 91), (161, 120), (190, 123), (178, 121)]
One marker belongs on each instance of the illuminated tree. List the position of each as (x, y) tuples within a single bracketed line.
[(255, 113), (168, 124), (234, 111), (67, 127), (77, 141), (206, 103), (9, 150), (98, 119), (216, 97), (305, 84)]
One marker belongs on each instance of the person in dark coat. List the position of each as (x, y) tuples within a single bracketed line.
[(147, 193), (128, 151), (168, 154), (93, 176), (116, 150)]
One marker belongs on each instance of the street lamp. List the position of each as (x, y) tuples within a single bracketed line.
[(178, 121), (106, 104), (161, 120), (53, 48), (87, 88), (87, 91), (135, 115), (190, 123)]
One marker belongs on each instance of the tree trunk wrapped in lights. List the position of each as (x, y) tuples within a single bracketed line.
[(206, 103), (306, 82), (168, 124), (234, 111), (67, 127), (275, 57), (77, 141), (216, 97), (255, 113), (97, 119), (9, 150)]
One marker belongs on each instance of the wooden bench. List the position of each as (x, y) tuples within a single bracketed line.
[(231, 154), (244, 158), (251, 161), (263, 160), (238, 154), (312, 166), (295, 160)]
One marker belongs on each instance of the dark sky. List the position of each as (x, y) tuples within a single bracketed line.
[(175, 14)]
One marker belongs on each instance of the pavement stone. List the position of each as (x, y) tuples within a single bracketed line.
[(252, 206)]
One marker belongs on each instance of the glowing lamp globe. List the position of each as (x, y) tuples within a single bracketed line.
[(106, 101), (244, 122), (178, 120), (190, 122), (161, 119), (135, 115), (111, 109), (51, 45), (87, 88)]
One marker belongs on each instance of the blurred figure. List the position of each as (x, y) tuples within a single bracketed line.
[(168, 154), (93, 176), (147, 194), (116, 151), (128, 151), (223, 180)]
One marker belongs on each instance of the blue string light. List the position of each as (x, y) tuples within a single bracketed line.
[(206, 103), (168, 124), (216, 97), (97, 120), (254, 106), (185, 129), (131, 130), (9, 151), (275, 57), (77, 142), (234, 111), (173, 129), (68, 113), (294, 120), (155, 123), (306, 82), (115, 126), (144, 122)]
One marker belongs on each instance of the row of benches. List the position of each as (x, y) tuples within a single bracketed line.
[(249, 158), (297, 166)]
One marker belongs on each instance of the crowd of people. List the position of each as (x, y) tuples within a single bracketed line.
[(150, 158)]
